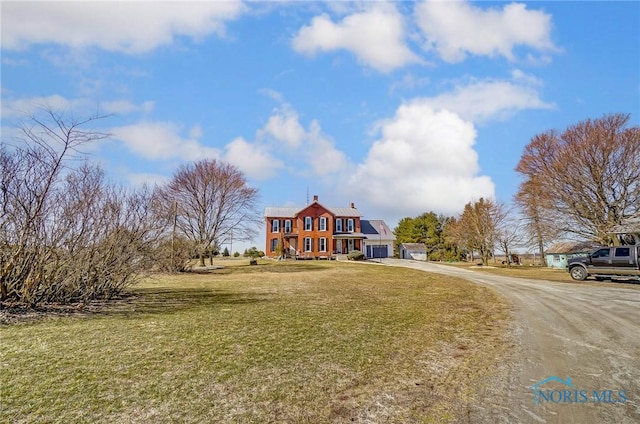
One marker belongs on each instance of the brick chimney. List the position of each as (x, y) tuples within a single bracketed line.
[(315, 197), (353, 205)]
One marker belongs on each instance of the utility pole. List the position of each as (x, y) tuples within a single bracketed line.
[(173, 232), (380, 246)]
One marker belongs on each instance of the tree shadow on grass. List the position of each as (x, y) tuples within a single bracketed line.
[(278, 267), (148, 301), (151, 300), (159, 300)]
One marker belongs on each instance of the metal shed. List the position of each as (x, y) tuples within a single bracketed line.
[(415, 251)]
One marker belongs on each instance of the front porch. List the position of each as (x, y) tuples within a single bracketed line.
[(348, 242)]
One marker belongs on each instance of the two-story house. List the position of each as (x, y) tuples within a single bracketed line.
[(314, 231)]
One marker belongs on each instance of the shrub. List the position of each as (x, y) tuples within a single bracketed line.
[(253, 252), (355, 255)]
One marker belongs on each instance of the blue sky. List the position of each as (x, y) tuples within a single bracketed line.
[(400, 107)]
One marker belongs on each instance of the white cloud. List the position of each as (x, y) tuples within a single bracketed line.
[(482, 100), (321, 152), (195, 131), (375, 36), (424, 161), (408, 83), (272, 94), (125, 106), (141, 178), (456, 28), (162, 141), (285, 127), (130, 27), (312, 151), (21, 106), (251, 158)]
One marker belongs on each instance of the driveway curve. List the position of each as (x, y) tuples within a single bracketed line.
[(589, 334)]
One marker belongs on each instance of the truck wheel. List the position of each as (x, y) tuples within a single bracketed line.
[(578, 273)]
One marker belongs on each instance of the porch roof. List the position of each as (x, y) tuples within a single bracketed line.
[(349, 236)]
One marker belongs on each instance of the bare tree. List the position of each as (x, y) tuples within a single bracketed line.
[(477, 229), (456, 235), (509, 233), (66, 234), (537, 218), (211, 202), (587, 177)]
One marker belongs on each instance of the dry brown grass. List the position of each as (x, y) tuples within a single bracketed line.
[(542, 273), (292, 342)]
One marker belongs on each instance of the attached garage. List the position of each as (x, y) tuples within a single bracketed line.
[(379, 239), (377, 251)]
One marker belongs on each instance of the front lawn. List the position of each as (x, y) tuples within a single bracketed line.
[(292, 342)]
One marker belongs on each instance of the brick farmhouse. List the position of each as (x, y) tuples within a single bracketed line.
[(319, 232)]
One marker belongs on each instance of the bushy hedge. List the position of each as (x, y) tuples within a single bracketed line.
[(355, 255)]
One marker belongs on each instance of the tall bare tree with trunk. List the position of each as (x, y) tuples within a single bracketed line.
[(478, 228), (211, 202), (509, 233), (586, 178), (537, 220)]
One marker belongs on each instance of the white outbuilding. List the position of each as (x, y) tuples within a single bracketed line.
[(415, 251)]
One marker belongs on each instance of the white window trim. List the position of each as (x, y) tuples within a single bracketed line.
[(339, 225), (274, 244), (322, 224), (309, 241), (275, 226), (351, 226), (310, 221), (322, 245), (287, 226)]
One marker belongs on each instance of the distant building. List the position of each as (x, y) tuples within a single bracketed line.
[(416, 251), (558, 254), (318, 232), (629, 231)]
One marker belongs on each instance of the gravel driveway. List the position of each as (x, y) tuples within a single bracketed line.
[(588, 333)]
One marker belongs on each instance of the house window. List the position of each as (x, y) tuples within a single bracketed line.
[(275, 226), (308, 244), (274, 244), (556, 258), (287, 226), (323, 223), (339, 225), (322, 246), (350, 225), (308, 223)]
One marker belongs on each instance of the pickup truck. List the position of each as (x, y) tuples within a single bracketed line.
[(607, 262)]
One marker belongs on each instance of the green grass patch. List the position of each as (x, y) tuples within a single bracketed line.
[(279, 342)]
